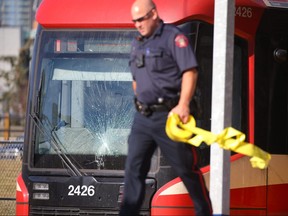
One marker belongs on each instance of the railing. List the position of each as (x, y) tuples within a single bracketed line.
[(10, 165), (11, 126)]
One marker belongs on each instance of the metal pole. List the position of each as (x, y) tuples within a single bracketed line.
[(223, 51)]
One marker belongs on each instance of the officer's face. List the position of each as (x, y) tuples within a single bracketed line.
[(146, 23)]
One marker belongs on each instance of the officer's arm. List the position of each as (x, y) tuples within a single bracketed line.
[(188, 87), (134, 86)]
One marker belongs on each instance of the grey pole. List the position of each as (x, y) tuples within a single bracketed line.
[(223, 51)]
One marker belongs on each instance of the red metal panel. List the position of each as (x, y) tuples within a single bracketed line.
[(171, 211), (255, 197), (22, 197), (171, 204), (78, 13), (249, 198), (247, 212), (277, 199), (111, 13), (244, 201)]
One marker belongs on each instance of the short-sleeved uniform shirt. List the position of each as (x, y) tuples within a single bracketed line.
[(157, 63)]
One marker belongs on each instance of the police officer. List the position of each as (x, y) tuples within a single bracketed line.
[(164, 74)]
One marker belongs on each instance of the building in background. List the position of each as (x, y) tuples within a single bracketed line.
[(17, 13), (10, 44), (17, 30)]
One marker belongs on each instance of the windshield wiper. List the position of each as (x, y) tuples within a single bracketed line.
[(55, 145)]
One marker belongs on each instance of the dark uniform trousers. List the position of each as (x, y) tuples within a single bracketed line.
[(146, 134)]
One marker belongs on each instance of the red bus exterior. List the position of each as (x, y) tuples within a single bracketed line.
[(253, 192)]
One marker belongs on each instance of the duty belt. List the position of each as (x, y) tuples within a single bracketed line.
[(147, 110)]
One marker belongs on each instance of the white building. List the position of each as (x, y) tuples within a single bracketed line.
[(10, 44)]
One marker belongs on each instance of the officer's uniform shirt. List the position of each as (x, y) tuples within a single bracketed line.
[(157, 63)]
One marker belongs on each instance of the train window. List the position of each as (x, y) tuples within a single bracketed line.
[(201, 38), (85, 98), (95, 45), (271, 78)]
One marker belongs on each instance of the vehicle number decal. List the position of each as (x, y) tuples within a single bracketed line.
[(245, 12), (81, 190)]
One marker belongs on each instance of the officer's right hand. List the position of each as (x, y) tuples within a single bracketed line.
[(183, 111)]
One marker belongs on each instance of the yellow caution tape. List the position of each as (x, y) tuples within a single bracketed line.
[(228, 139)]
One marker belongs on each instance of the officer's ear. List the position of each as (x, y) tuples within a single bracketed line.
[(154, 14)]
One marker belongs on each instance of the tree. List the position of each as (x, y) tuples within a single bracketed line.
[(22, 74), (14, 97), (7, 76)]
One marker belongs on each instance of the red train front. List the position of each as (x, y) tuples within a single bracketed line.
[(80, 108)]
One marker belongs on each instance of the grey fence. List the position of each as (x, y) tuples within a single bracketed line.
[(11, 153)]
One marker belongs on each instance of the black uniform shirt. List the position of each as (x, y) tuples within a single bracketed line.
[(157, 63)]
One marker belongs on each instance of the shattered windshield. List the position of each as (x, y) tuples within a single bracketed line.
[(85, 98)]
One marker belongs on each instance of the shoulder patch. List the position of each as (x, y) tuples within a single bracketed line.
[(181, 41)]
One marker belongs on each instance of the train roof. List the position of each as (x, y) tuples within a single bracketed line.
[(91, 13), (116, 13)]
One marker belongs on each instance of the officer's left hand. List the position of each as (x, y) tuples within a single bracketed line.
[(182, 111)]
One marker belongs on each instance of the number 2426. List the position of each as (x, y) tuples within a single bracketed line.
[(81, 190), (245, 12)]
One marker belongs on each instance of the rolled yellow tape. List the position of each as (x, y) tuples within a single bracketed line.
[(228, 139)]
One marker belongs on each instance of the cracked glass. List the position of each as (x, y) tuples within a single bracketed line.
[(84, 98)]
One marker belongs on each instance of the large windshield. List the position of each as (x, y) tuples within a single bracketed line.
[(85, 98)]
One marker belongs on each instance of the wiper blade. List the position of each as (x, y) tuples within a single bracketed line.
[(55, 145)]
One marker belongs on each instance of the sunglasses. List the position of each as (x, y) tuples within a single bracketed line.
[(145, 17)]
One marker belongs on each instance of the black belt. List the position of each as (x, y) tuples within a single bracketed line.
[(159, 108), (147, 110)]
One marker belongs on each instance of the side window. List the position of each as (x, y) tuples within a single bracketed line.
[(271, 77), (201, 37), (240, 85)]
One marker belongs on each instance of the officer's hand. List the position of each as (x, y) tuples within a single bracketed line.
[(182, 111)]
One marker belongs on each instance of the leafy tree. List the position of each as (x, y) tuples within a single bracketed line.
[(7, 75), (22, 74), (16, 81)]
